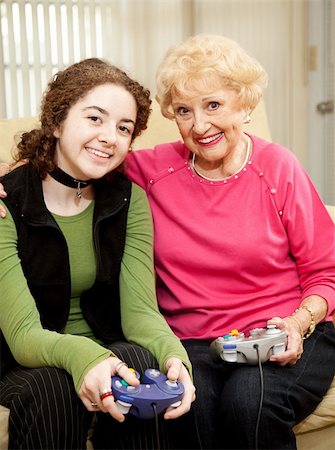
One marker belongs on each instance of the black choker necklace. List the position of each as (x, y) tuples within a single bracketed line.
[(66, 179)]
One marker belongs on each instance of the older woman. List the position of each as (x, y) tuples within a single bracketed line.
[(242, 240)]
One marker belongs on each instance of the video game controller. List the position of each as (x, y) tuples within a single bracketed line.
[(235, 347), (156, 392)]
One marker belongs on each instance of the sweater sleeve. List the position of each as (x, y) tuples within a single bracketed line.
[(142, 322), (310, 229), (311, 234), (32, 345)]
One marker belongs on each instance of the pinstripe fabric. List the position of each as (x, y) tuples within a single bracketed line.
[(46, 413)]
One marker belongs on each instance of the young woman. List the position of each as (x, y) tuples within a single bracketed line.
[(76, 271)]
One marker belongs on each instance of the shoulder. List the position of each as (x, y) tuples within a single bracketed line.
[(114, 182), (281, 171), (145, 165), (275, 160), (160, 155), (16, 184), (272, 153), (16, 177)]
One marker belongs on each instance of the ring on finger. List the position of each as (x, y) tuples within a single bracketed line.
[(105, 393), (94, 404), (119, 365)]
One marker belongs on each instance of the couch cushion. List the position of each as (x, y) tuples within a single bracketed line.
[(322, 416), (9, 128), (4, 414)]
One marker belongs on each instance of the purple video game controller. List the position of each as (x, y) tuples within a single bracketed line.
[(155, 390), (236, 347)]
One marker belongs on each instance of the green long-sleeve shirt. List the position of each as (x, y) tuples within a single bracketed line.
[(76, 349)]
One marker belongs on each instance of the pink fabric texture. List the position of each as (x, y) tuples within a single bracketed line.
[(235, 253)]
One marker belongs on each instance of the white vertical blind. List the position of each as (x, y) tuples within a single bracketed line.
[(35, 60), (68, 34), (2, 75), (39, 37), (11, 56)]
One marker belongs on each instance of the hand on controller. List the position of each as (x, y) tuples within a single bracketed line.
[(96, 392), (259, 345), (294, 348), (153, 396)]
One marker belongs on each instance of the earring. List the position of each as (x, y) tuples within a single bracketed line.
[(247, 119), (130, 149)]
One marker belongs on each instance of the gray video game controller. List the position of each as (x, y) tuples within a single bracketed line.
[(236, 347)]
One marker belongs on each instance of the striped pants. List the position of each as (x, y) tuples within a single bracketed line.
[(46, 412)]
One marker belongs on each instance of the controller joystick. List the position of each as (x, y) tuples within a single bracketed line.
[(155, 389), (236, 347)]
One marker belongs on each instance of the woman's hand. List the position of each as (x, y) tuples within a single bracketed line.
[(3, 194), (294, 348), (177, 371), (99, 380), (4, 169)]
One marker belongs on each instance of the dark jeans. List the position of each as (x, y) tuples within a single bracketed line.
[(228, 395), (46, 412)]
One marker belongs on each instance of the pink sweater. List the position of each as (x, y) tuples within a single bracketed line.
[(235, 253)]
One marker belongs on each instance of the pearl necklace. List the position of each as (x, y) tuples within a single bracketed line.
[(230, 176)]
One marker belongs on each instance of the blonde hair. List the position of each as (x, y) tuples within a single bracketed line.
[(205, 61)]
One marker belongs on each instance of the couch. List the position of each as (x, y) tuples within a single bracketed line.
[(316, 432)]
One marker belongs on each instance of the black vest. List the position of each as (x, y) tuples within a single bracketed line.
[(44, 254)]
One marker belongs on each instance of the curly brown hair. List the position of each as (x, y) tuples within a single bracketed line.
[(64, 90)]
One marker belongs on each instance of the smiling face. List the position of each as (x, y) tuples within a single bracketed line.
[(96, 135), (211, 127)]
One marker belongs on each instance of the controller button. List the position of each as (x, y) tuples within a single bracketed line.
[(118, 384), (154, 372), (172, 384), (234, 332), (229, 346), (227, 337), (124, 383), (131, 388)]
